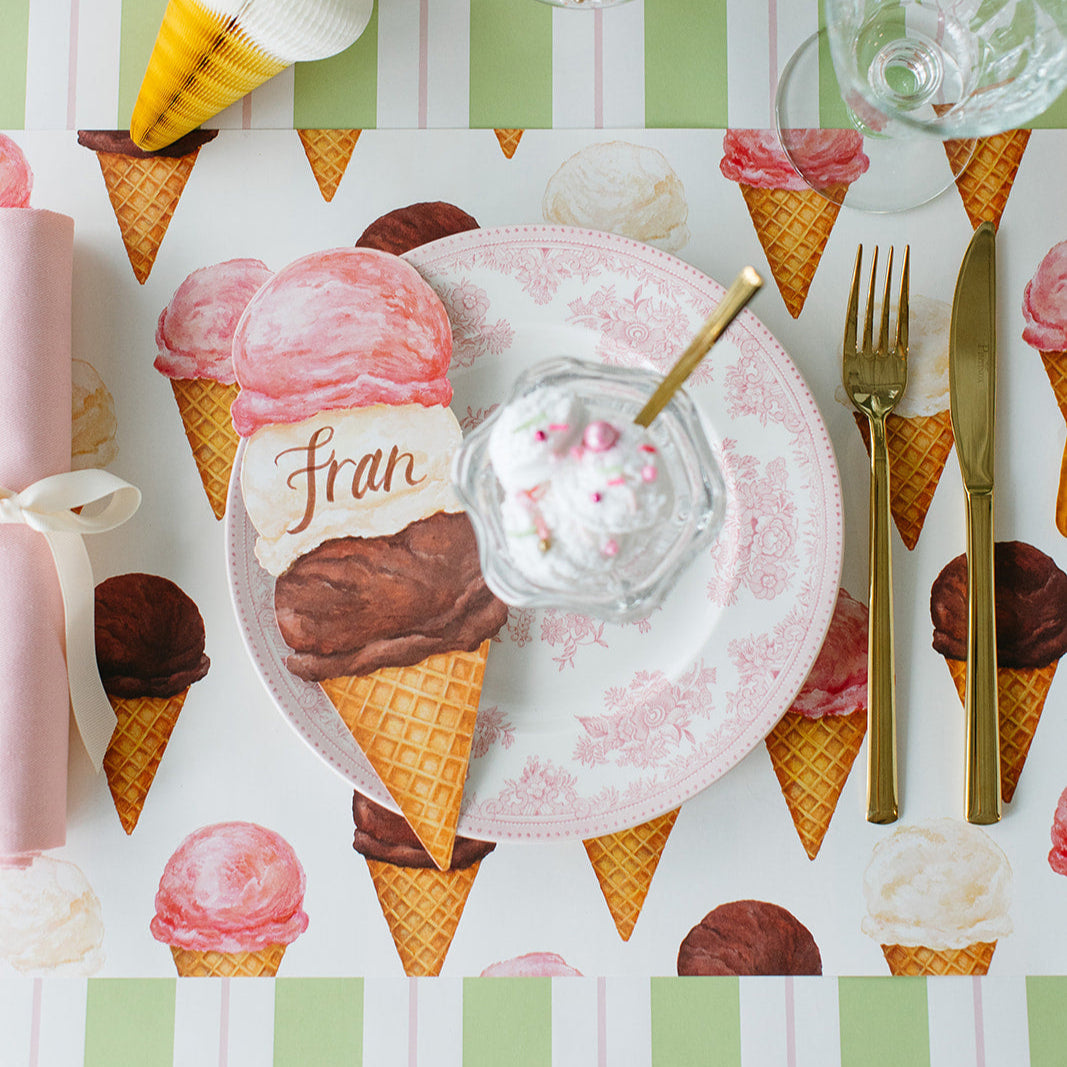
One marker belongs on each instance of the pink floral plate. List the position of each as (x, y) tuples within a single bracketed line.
[(584, 727)]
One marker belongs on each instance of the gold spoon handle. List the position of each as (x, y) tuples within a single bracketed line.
[(734, 299)]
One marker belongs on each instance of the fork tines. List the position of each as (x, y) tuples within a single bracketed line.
[(852, 316)]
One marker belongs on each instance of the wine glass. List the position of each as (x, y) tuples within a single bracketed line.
[(919, 79)]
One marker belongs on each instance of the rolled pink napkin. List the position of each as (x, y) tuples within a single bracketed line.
[(36, 260)]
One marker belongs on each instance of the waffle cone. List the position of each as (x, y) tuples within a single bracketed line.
[(328, 152), (415, 726), (144, 194), (509, 140), (918, 447), (812, 759), (201, 63), (625, 862), (205, 409), (986, 181), (793, 227), (1056, 369), (423, 907), (193, 963), (918, 959), (1021, 696), (137, 745)]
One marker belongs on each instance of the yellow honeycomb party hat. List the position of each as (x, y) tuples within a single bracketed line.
[(210, 53)]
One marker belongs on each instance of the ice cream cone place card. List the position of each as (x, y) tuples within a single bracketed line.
[(355, 571)]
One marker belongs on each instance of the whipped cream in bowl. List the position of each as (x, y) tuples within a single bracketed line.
[(574, 505)]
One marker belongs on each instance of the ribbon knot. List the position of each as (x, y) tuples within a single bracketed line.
[(51, 507)]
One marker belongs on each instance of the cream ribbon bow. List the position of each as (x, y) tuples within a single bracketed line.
[(47, 507)]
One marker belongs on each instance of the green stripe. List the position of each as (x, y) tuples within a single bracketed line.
[(507, 1021), (14, 41), (1046, 999), (1054, 118), (139, 28), (129, 1022), (833, 114), (695, 1022), (340, 93), (318, 1021), (884, 1022), (510, 64), (685, 63)]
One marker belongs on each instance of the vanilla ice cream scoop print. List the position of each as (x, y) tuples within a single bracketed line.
[(342, 360)]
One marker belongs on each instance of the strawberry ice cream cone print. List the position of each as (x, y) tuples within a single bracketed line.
[(16, 176), (328, 152), (986, 181), (193, 340), (532, 965), (421, 903), (150, 650), (144, 187), (814, 745), (230, 902), (342, 361), (793, 221), (938, 895), (624, 863), (1045, 314), (1030, 593), (509, 140), (1057, 857)]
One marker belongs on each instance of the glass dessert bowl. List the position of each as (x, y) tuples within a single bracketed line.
[(574, 505)]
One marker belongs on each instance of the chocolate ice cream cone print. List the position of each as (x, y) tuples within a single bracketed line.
[(208, 963), (916, 960), (987, 179), (328, 152), (509, 140), (144, 188), (205, 409), (625, 862)]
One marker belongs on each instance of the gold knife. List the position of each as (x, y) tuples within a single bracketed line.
[(972, 396)]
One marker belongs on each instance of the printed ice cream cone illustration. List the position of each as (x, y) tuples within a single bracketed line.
[(1057, 857), (144, 187), (986, 180), (342, 360), (620, 188), (150, 650), (328, 152), (408, 227), (749, 937), (16, 177), (509, 141), (532, 965), (919, 430), (1045, 313), (937, 894), (50, 918), (230, 901), (813, 747), (1030, 594), (93, 422), (421, 903), (210, 53), (193, 339), (625, 862), (793, 221)]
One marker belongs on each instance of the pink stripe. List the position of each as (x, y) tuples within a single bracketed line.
[(424, 62), (979, 1023), (598, 68), (35, 1023), (246, 112), (790, 1024), (72, 68), (413, 1022), (772, 55), (601, 1005), (224, 1021)]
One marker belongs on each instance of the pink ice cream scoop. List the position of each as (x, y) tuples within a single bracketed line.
[(344, 328), (837, 682), (16, 178), (1057, 857), (532, 965), (194, 335), (231, 887), (1045, 303), (756, 158)]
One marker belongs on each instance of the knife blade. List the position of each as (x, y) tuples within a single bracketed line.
[(972, 399)]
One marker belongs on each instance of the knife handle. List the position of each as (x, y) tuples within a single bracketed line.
[(881, 684), (980, 699)]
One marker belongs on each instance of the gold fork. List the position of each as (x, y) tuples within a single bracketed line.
[(875, 376)]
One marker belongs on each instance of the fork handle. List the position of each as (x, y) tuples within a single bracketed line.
[(881, 683)]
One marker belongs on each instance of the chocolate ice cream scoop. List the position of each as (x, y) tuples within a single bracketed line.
[(119, 141), (408, 227), (1030, 593), (149, 637), (749, 937), (385, 836)]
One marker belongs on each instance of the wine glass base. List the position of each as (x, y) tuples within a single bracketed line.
[(907, 167)]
